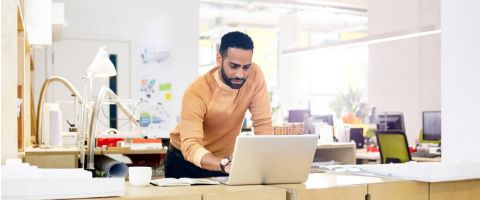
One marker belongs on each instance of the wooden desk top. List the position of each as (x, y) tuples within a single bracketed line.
[(130, 151), (334, 145), (363, 154), (51, 151), (62, 151), (422, 159), (329, 180)]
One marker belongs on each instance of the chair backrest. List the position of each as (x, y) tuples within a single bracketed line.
[(393, 147), (370, 133), (421, 140)]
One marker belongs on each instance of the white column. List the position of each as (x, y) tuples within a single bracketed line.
[(460, 80), (292, 73), (404, 75)]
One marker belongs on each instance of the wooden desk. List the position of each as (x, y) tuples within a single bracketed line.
[(392, 189), (458, 190), (340, 152), (364, 157), (129, 151), (211, 192), (68, 157), (422, 159), (52, 158), (330, 186), (349, 187)]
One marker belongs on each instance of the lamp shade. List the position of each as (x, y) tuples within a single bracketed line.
[(101, 65)]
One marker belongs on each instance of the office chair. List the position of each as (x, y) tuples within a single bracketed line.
[(393, 146), (370, 133), (421, 140)]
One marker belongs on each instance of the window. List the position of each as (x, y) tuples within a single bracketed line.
[(331, 72)]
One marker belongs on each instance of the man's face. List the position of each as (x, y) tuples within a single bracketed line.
[(235, 66)]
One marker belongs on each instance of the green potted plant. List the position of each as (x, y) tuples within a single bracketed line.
[(349, 107)]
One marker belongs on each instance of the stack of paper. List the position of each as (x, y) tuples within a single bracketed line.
[(22, 181), (426, 171)]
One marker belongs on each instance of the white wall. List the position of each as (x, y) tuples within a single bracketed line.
[(168, 25), (460, 80), (292, 71), (404, 75)]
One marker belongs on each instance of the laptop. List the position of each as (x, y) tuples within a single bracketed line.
[(271, 159)]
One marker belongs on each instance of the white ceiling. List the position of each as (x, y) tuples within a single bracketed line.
[(318, 16)]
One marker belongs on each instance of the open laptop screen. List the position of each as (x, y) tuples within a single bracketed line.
[(272, 159)]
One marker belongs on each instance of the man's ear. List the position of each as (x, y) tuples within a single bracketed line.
[(219, 59)]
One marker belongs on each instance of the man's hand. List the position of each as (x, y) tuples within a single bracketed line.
[(210, 162)]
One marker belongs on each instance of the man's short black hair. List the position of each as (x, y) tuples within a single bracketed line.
[(235, 39)]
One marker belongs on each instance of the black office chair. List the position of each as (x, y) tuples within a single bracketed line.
[(393, 147)]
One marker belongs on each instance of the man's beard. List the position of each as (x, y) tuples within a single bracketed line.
[(229, 82)]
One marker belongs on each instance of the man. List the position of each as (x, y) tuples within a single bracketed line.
[(213, 110)]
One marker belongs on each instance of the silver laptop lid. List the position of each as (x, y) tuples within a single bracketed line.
[(272, 159)]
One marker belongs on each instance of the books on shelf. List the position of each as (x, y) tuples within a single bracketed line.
[(170, 182)]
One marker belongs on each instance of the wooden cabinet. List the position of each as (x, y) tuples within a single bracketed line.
[(353, 192), (348, 187), (210, 192), (258, 192), (52, 158), (161, 193), (341, 152), (458, 190), (398, 190), (330, 186)]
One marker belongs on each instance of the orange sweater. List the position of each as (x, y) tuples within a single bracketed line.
[(212, 115)]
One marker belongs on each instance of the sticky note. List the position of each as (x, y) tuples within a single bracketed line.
[(165, 87), (168, 96)]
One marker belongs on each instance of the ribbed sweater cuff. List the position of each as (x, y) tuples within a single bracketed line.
[(198, 155)]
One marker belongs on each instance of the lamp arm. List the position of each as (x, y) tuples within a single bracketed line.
[(38, 137), (93, 121)]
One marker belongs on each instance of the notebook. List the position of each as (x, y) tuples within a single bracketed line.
[(170, 182)]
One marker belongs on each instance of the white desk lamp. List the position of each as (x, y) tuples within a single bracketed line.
[(101, 67)]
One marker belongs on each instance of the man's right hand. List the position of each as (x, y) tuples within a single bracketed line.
[(211, 162)]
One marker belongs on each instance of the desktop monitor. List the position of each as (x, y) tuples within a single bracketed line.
[(356, 134), (297, 115), (390, 122), (328, 119), (432, 125)]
